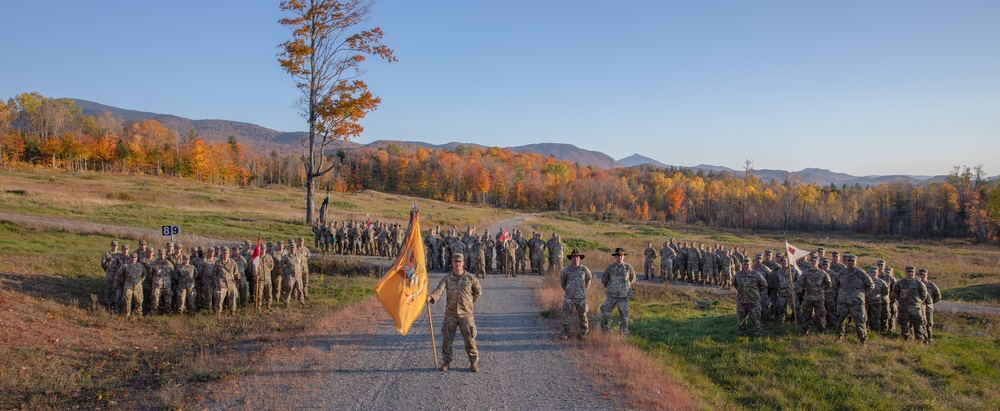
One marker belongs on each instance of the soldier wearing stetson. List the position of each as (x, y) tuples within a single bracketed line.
[(618, 278), (575, 279)]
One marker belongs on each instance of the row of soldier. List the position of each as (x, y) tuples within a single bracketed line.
[(504, 253), (827, 291), (359, 238), (210, 278)]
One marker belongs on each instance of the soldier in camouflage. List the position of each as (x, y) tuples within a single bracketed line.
[(224, 277), (131, 275), (911, 295), (463, 290), (933, 296), (184, 279), (109, 263), (667, 255), (618, 278), (834, 267), (786, 276), (852, 286), (813, 283), (649, 255), (575, 279), (162, 272), (750, 286), (876, 301), (291, 270)]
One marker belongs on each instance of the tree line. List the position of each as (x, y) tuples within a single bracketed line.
[(53, 132)]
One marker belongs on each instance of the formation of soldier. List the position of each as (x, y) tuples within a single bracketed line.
[(351, 237), (168, 280), (502, 253), (815, 291)]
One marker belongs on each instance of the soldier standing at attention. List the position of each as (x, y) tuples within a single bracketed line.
[(618, 278), (649, 255), (813, 284), (933, 296), (876, 301), (477, 257), (132, 274), (110, 263), (750, 287), (224, 276), (786, 276), (667, 255), (162, 290), (911, 294), (520, 256), (304, 255), (852, 285), (835, 268), (291, 269), (263, 274), (463, 290), (575, 279), (184, 279), (205, 279), (510, 251)]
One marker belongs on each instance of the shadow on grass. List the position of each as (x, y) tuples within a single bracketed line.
[(72, 291)]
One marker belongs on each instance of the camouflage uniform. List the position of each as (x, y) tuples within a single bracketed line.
[(304, 256), (537, 254), (264, 283), (619, 279), (291, 271), (875, 303), (575, 281), (667, 256), (814, 284), (162, 291), (224, 277), (205, 277), (509, 251), (184, 279), (463, 290), (852, 285), (556, 251), (132, 275), (836, 267), (933, 296), (477, 257), (750, 287), (647, 263), (911, 294), (489, 252), (889, 313), (110, 263), (785, 301)]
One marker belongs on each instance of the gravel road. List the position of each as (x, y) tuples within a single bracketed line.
[(523, 365)]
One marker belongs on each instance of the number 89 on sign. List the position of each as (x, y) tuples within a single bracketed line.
[(171, 229)]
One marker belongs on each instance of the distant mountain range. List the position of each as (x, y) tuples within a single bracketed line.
[(262, 140)]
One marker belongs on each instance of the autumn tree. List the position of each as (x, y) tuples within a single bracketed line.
[(324, 58)]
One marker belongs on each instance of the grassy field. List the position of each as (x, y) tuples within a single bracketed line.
[(698, 347), (59, 350)]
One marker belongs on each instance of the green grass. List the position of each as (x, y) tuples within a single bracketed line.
[(581, 244), (786, 370), (973, 293)]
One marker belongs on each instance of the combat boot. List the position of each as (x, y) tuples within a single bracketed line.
[(474, 366), (445, 366)]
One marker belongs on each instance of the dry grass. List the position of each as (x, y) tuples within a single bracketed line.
[(620, 370)]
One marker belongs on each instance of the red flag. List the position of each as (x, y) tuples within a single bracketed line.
[(255, 257), (505, 235)]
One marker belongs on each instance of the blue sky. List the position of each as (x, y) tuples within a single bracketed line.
[(860, 87)]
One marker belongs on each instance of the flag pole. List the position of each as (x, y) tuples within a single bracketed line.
[(791, 286), (430, 322)]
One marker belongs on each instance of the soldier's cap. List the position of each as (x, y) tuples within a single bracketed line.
[(458, 257), (872, 269), (292, 245), (125, 246), (825, 260), (909, 268), (199, 248), (879, 262), (209, 250), (888, 270), (746, 260), (836, 253), (759, 255), (922, 271), (161, 251), (185, 256), (820, 249), (666, 243), (813, 258), (142, 242), (302, 239), (134, 255), (114, 242), (767, 251), (575, 253), (619, 251), (849, 257), (178, 245), (224, 249), (812, 253)]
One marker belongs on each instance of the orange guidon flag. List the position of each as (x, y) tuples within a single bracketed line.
[(403, 290)]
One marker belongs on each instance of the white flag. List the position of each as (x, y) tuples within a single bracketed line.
[(794, 253)]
